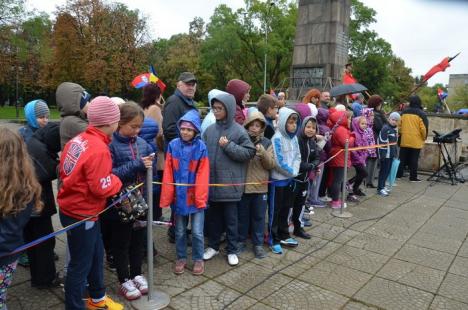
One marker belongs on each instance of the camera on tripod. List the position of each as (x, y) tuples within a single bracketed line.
[(450, 137), (448, 170)]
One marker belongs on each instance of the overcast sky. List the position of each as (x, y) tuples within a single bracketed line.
[(422, 32)]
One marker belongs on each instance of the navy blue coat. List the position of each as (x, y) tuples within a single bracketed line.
[(149, 131), (11, 234), (126, 158)]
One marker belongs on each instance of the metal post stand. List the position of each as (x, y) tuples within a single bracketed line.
[(155, 299), (340, 213)]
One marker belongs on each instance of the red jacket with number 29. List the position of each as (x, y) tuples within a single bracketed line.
[(186, 162), (86, 175)]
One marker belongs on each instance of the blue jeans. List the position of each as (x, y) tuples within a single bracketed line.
[(197, 223), (86, 262), (385, 166), (251, 213), (313, 189)]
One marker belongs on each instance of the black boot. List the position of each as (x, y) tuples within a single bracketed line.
[(300, 232)]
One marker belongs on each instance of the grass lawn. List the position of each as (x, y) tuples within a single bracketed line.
[(10, 113)]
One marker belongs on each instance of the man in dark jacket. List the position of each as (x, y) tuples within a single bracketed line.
[(178, 104), (43, 148)]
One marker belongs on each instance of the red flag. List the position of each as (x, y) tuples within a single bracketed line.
[(444, 64)]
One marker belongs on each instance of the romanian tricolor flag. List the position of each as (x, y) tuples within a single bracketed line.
[(147, 78), (441, 94)]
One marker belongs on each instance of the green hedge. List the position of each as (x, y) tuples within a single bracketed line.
[(10, 113)]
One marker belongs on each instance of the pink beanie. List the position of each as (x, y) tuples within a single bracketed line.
[(185, 124), (102, 111)]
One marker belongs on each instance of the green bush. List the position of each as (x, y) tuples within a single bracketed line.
[(10, 113)]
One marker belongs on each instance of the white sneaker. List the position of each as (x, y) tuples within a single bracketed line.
[(141, 284), (382, 192), (233, 260), (129, 290), (210, 253), (325, 199)]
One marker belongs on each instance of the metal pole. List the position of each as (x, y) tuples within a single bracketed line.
[(17, 78), (271, 4), (156, 299), (345, 176), (149, 231), (341, 213), (265, 60)]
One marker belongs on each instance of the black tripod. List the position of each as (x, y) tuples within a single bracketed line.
[(448, 170)]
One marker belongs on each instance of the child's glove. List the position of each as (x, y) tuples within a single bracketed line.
[(260, 150)]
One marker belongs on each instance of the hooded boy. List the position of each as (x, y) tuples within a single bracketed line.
[(288, 159), (253, 205), (310, 159), (388, 135), (37, 116), (229, 150), (187, 162), (72, 101)]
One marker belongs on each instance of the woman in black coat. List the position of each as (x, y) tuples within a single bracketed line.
[(43, 148)]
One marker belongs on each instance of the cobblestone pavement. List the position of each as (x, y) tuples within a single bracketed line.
[(405, 251)]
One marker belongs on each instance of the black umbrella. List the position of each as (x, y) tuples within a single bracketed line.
[(346, 89)]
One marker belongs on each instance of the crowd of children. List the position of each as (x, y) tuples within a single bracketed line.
[(267, 176)]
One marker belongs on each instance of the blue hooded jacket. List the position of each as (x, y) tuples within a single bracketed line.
[(186, 162), (286, 149)]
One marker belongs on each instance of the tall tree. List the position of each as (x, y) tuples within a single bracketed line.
[(34, 54), (235, 45), (459, 99), (99, 45), (11, 11), (373, 60)]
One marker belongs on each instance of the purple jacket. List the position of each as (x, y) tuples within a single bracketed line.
[(324, 130), (358, 157), (368, 113)]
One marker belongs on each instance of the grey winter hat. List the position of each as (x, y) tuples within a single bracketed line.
[(41, 109), (187, 77)]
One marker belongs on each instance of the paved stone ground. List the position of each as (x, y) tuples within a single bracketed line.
[(405, 251)]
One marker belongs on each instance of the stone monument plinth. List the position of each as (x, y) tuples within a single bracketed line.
[(320, 46)]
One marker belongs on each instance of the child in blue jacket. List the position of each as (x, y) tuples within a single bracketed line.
[(387, 135), (187, 162), (288, 159), (131, 156)]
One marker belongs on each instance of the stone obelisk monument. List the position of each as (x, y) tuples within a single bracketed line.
[(321, 45)]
